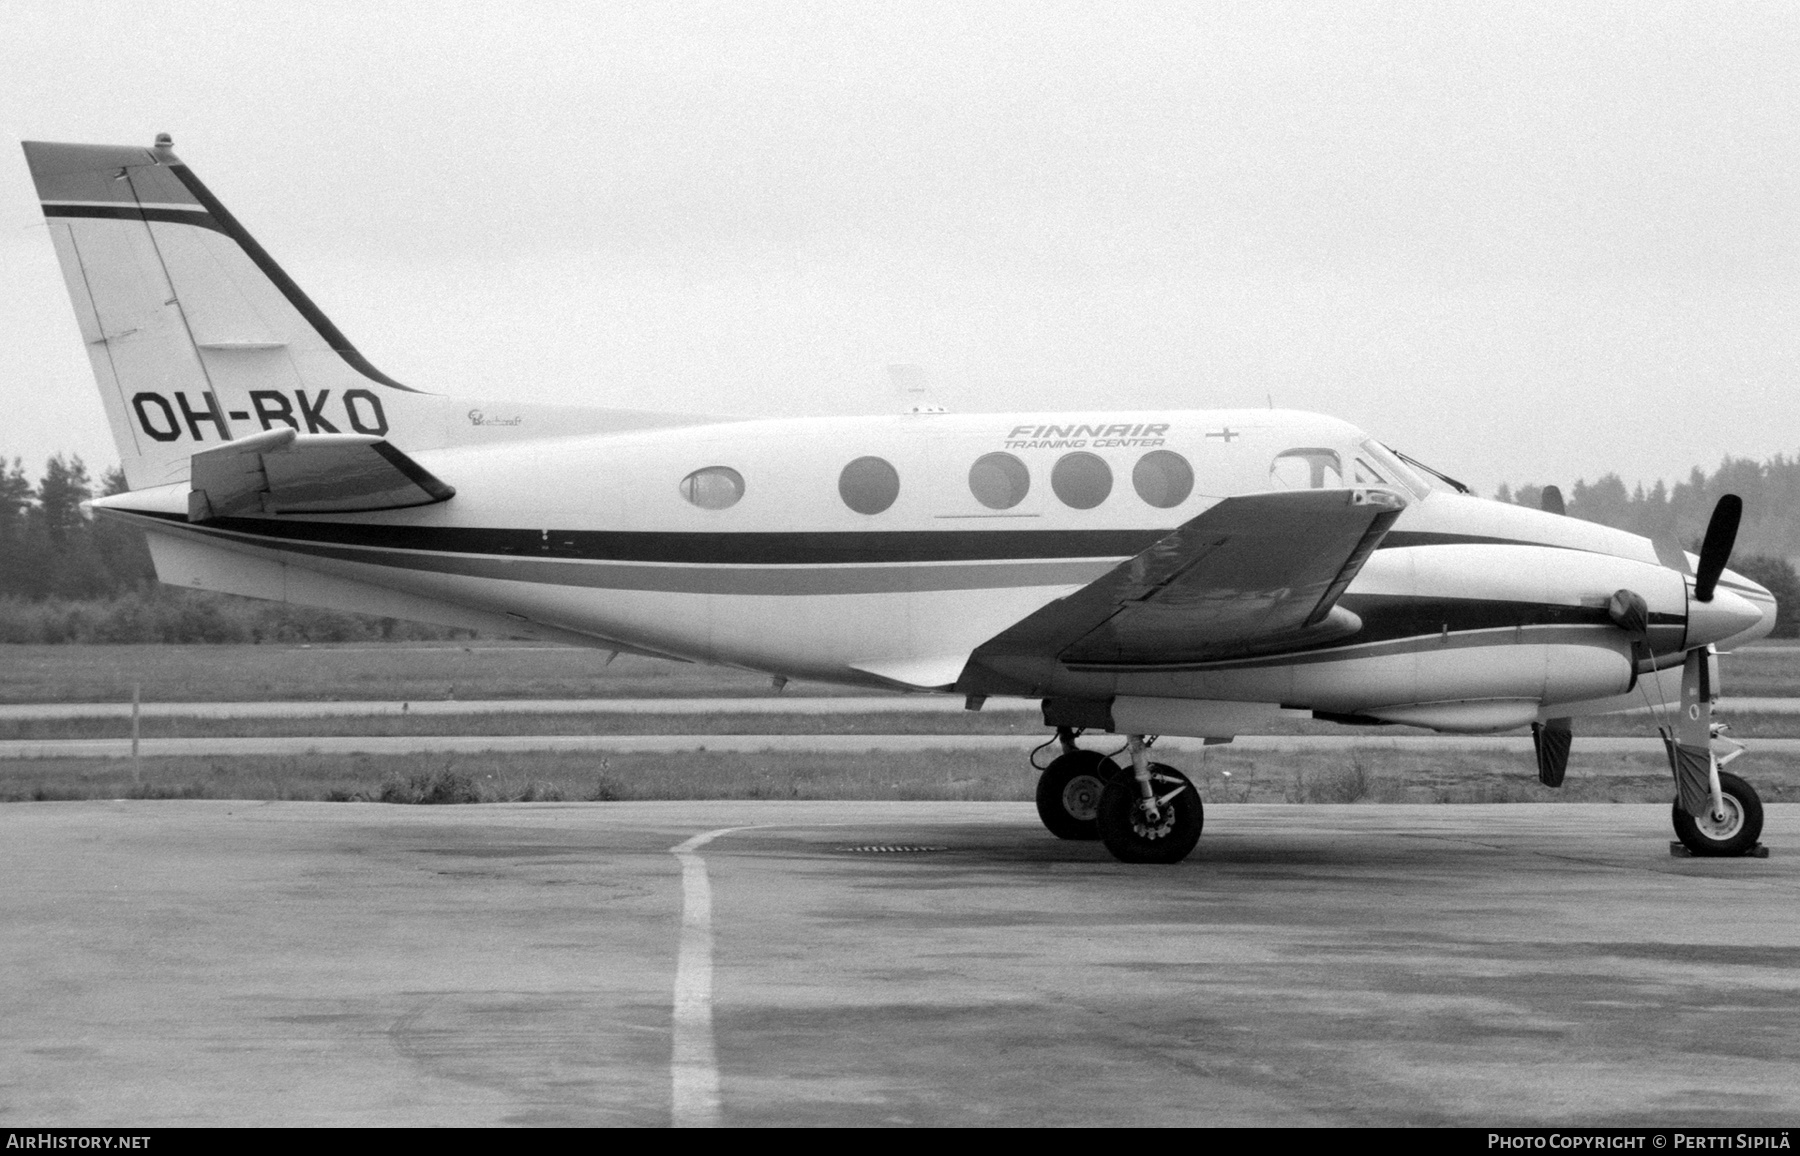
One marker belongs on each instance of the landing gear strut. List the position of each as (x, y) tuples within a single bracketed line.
[(1152, 815), (1149, 814)]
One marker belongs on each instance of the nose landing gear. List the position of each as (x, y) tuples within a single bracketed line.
[(1731, 827)]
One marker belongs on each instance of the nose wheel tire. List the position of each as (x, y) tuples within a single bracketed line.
[(1733, 833), (1133, 836), (1068, 793)]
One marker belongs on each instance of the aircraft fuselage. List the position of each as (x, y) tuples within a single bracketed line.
[(982, 519)]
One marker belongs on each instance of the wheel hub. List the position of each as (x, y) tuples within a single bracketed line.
[(1081, 798), (1722, 827), (1146, 828)]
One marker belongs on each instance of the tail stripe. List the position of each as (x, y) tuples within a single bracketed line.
[(221, 219), (178, 216)]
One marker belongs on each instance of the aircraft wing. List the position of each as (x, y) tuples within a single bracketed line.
[(1251, 575), (280, 472)]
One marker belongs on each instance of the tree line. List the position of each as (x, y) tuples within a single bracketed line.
[(1768, 537), (66, 576)]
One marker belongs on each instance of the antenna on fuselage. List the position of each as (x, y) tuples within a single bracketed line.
[(914, 389)]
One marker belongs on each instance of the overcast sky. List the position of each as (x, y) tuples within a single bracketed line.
[(1523, 242)]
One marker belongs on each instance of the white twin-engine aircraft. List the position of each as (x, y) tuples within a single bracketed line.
[(1170, 572)]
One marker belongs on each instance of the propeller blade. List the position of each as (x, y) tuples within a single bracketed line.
[(1551, 501), (1715, 551)]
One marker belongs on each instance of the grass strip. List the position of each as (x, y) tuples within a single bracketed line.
[(1024, 725), (446, 671), (1222, 777)]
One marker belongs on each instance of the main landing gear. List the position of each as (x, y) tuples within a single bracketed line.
[(1068, 792), (1150, 813)]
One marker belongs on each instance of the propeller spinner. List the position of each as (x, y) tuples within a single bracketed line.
[(1715, 614)]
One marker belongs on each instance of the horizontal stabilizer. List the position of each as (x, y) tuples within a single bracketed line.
[(282, 472)]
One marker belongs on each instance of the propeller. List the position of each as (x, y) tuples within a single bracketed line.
[(1715, 550), (1551, 501), (1688, 735)]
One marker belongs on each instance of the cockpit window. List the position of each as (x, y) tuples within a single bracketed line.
[(1307, 469), (1420, 481), (1394, 470)]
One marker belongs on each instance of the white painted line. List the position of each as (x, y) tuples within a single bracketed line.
[(693, 1060)]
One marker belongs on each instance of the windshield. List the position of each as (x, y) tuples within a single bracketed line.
[(1421, 479)]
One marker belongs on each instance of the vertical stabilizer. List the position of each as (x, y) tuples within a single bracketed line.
[(196, 336)]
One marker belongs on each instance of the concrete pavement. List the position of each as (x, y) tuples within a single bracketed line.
[(301, 963)]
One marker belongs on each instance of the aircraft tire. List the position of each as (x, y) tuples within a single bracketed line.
[(1736, 835), (1068, 793), (1130, 838)]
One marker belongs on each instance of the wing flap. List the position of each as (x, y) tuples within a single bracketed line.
[(280, 472), (1252, 575)]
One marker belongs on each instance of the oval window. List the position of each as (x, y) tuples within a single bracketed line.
[(869, 485), (999, 481), (1163, 479), (713, 488), (1081, 480)]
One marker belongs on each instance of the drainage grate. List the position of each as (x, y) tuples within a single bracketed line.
[(889, 849)]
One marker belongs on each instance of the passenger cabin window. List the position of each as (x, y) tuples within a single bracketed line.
[(869, 485), (713, 488), (1081, 480), (999, 481), (1163, 479), (1307, 469)]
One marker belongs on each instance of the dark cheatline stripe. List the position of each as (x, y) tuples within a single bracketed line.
[(1388, 616), (199, 217), (1404, 539), (1401, 624), (667, 579), (1361, 647), (228, 224), (813, 548)]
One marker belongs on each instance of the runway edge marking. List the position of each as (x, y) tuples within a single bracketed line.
[(693, 1059)]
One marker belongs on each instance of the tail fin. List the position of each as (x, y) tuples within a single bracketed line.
[(196, 335)]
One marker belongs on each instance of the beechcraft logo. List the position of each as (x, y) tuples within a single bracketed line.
[(1075, 437)]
